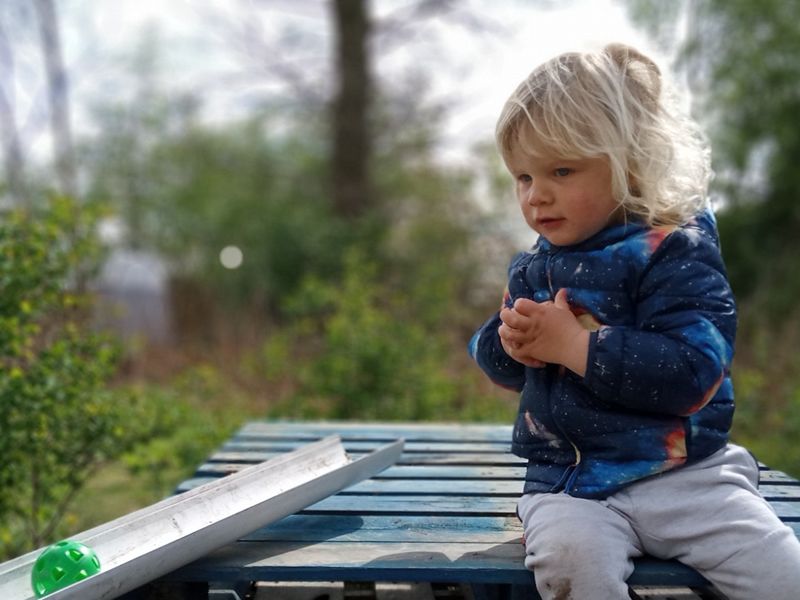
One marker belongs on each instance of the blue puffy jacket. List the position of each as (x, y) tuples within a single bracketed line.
[(657, 392)]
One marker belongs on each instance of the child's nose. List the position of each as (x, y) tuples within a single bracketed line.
[(537, 193)]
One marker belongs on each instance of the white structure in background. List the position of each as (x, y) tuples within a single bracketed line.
[(132, 291)]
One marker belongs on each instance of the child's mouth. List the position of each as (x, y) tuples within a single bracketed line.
[(549, 222)]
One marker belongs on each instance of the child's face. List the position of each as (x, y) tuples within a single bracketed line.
[(565, 201)]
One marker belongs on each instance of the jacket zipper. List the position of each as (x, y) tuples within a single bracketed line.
[(572, 471)]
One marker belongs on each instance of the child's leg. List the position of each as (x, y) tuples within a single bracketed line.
[(710, 516), (577, 548)]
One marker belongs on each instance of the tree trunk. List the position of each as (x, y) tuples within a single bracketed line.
[(13, 160), (351, 137), (59, 96)]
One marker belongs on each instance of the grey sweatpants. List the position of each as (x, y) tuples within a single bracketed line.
[(709, 516)]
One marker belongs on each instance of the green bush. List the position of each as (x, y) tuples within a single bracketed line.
[(58, 419), (766, 377), (189, 417), (364, 349)]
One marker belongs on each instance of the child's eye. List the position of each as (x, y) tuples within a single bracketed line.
[(524, 178), (562, 171)]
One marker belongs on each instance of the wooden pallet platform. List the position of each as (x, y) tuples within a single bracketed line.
[(444, 513)]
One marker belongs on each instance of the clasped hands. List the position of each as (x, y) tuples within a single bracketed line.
[(536, 333)]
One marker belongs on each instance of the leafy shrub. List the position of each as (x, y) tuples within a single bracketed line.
[(188, 417), (364, 350), (58, 419)]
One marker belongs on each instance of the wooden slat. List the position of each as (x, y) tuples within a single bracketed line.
[(348, 528), (470, 487), (394, 561), (787, 511), (395, 528), (406, 459), (462, 433), (415, 505), (244, 445), (403, 487), (354, 561), (780, 492), (777, 477), (486, 472)]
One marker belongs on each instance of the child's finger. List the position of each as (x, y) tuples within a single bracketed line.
[(525, 307), (511, 335), (512, 318), (561, 299)]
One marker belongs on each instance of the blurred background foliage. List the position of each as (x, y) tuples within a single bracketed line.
[(366, 262)]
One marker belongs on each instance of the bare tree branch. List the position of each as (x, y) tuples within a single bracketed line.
[(14, 161), (59, 96)]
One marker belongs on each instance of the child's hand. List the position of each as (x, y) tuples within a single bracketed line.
[(548, 332), (512, 349)]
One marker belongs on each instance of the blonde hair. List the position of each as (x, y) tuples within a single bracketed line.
[(612, 104)]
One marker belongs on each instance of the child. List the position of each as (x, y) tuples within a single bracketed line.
[(618, 330)]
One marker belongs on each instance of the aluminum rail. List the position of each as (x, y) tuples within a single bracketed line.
[(156, 540)]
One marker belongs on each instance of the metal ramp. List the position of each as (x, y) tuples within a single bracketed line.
[(156, 540)]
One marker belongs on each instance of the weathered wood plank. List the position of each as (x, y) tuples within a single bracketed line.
[(415, 505), (361, 561), (404, 487), (354, 430), (485, 473), (780, 492), (394, 528), (338, 561), (406, 459), (469, 487), (777, 477), (787, 511), (410, 447)]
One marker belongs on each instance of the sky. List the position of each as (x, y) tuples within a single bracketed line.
[(231, 53), (472, 58)]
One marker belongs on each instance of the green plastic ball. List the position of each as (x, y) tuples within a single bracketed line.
[(61, 565)]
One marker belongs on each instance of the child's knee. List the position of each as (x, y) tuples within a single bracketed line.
[(572, 570), (569, 555)]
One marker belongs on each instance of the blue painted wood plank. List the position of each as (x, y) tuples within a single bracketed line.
[(788, 506), (780, 492), (403, 487), (415, 505), (384, 431), (470, 487), (431, 505), (394, 528), (787, 511), (240, 445), (337, 561), (777, 477), (485, 473), (399, 528), (405, 459), (334, 561)]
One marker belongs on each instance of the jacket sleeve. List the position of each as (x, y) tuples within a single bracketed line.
[(487, 351), (485, 346), (680, 350)]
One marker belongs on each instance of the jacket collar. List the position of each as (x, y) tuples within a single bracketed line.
[(603, 238), (704, 220)]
